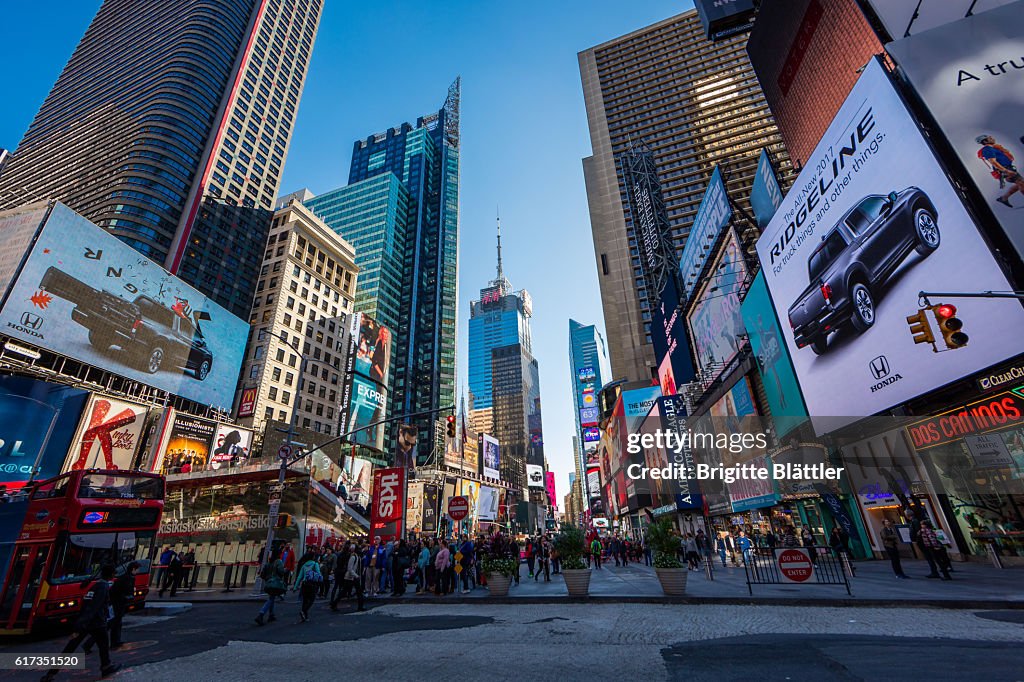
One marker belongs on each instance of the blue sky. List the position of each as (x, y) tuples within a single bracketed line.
[(524, 133)]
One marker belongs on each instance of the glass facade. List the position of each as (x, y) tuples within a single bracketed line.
[(492, 324), (586, 352)]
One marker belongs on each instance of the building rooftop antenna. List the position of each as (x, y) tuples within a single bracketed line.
[(501, 275)]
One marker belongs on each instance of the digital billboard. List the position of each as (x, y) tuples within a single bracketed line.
[(491, 456), (405, 446), (715, 320), (589, 416), (109, 435), (671, 347), (871, 222), (17, 228), (903, 18), (712, 217), (960, 72), (28, 410), (85, 294), (723, 18), (367, 405), (765, 193), (636, 404), (773, 362), (487, 504), (387, 506), (188, 445), (549, 485), (534, 476), (371, 343), (231, 446), (586, 375), (591, 434)]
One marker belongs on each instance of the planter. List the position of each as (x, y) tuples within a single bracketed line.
[(577, 581), (673, 580), (498, 584)]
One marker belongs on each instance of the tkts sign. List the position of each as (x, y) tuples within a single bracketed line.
[(990, 414), (387, 508)]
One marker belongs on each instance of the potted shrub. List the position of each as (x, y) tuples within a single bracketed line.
[(665, 543), (571, 544), (499, 571)]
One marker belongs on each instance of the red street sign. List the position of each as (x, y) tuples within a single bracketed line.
[(795, 565), (458, 508)]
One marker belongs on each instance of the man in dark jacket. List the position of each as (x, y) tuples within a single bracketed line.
[(92, 623), (121, 593), (173, 576)]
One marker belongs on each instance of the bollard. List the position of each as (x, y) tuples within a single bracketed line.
[(993, 555), (227, 578)]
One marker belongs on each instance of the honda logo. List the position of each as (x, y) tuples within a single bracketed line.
[(31, 320), (879, 367)]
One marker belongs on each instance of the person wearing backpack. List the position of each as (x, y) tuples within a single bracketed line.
[(273, 575), (92, 623), (307, 582), (595, 550)]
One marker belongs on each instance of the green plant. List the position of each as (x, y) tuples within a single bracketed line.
[(503, 566), (665, 544), (571, 543)]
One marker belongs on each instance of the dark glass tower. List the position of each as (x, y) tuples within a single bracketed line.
[(425, 159), (169, 127)]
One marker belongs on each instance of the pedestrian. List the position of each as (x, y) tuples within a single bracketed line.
[(595, 549), (288, 557), (353, 572), (399, 565), (340, 567), (543, 563), (624, 548), (172, 577), (839, 541), (92, 624), (613, 549), (467, 562), (161, 571), (916, 522), (513, 552), (745, 546), (890, 541), (307, 582), (648, 554), (692, 552), (930, 543), (530, 556), (807, 539), (421, 569), (724, 545), (274, 576), (556, 561), (121, 593), (443, 566), (327, 560), (789, 540), (770, 539)]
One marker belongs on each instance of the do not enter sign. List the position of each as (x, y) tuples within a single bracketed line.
[(458, 508), (795, 565)]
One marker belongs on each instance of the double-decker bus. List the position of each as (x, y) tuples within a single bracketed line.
[(74, 524)]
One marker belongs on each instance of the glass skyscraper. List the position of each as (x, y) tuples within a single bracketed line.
[(169, 127), (589, 371)]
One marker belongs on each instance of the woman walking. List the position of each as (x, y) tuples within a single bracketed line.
[(274, 585), (307, 582)]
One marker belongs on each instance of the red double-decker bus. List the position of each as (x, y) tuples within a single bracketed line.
[(74, 524)]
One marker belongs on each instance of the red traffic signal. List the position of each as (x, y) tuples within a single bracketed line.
[(945, 311), (451, 425), (950, 325)]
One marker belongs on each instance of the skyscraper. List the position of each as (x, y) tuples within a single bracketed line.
[(425, 160), (589, 371), (169, 127), (694, 103)]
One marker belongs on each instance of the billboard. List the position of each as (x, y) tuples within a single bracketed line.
[(773, 362), (368, 404), (188, 445), (371, 346), (715, 321), (487, 504), (960, 72), (589, 416), (85, 294), (18, 227), (534, 476), (549, 486), (871, 222), (37, 424), (431, 495), (636, 404), (387, 507), (903, 18), (765, 192), (591, 434), (247, 402), (723, 18), (109, 435), (712, 217), (651, 227), (231, 446), (405, 446), (491, 457), (586, 375), (671, 347)]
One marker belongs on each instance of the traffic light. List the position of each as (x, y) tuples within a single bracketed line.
[(451, 425), (283, 521), (920, 327), (950, 325)]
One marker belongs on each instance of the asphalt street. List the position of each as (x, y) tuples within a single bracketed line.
[(565, 642)]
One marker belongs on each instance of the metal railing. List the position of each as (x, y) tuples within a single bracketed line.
[(796, 566)]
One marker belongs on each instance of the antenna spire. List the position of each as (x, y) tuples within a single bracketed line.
[(501, 274)]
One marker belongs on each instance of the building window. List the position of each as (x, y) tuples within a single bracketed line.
[(276, 374), (272, 393)]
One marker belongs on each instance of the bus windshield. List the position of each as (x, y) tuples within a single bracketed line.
[(121, 486), (80, 556)]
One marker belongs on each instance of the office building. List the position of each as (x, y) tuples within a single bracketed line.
[(5, 157), (589, 370), (169, 127), (305, 293), (695, 104)]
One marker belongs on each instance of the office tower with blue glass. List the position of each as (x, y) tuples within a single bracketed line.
[(589, 370)]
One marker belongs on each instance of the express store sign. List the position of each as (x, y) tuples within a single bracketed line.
[(982, 416)]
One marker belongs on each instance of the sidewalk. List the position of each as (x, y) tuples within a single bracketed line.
[(974, 586)]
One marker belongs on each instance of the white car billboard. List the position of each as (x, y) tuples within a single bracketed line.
[(84, 294), (534, 476), (870, 222), (961, 73)]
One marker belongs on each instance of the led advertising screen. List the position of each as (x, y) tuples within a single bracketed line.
[(188, 445), (372, 344), (108, 436), (903, 18), (18, 226), (549, 485), (784, 400), (715, 321), (367, 405), (387, 507), (591, 434), (491, 456), (28, 408), (712, 217), (765, 193), (586, 375), (636, 404), (534, 476), (588, 416), (671, 347), (960, 71), (871, 222), (231, 446), (85, 294)]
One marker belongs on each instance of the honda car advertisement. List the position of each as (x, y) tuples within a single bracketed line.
[(85, 294), (871, 222), (534, 476), (108, 436), (960, 70)]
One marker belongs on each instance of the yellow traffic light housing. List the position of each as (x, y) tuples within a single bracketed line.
[(920, 327), (950, 326)]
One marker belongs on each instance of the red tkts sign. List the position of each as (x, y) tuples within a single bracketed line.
[(458, 508), (387, 508), (995, 412), (795, 565)]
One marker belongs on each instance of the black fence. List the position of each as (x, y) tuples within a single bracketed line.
[(799, 566)]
